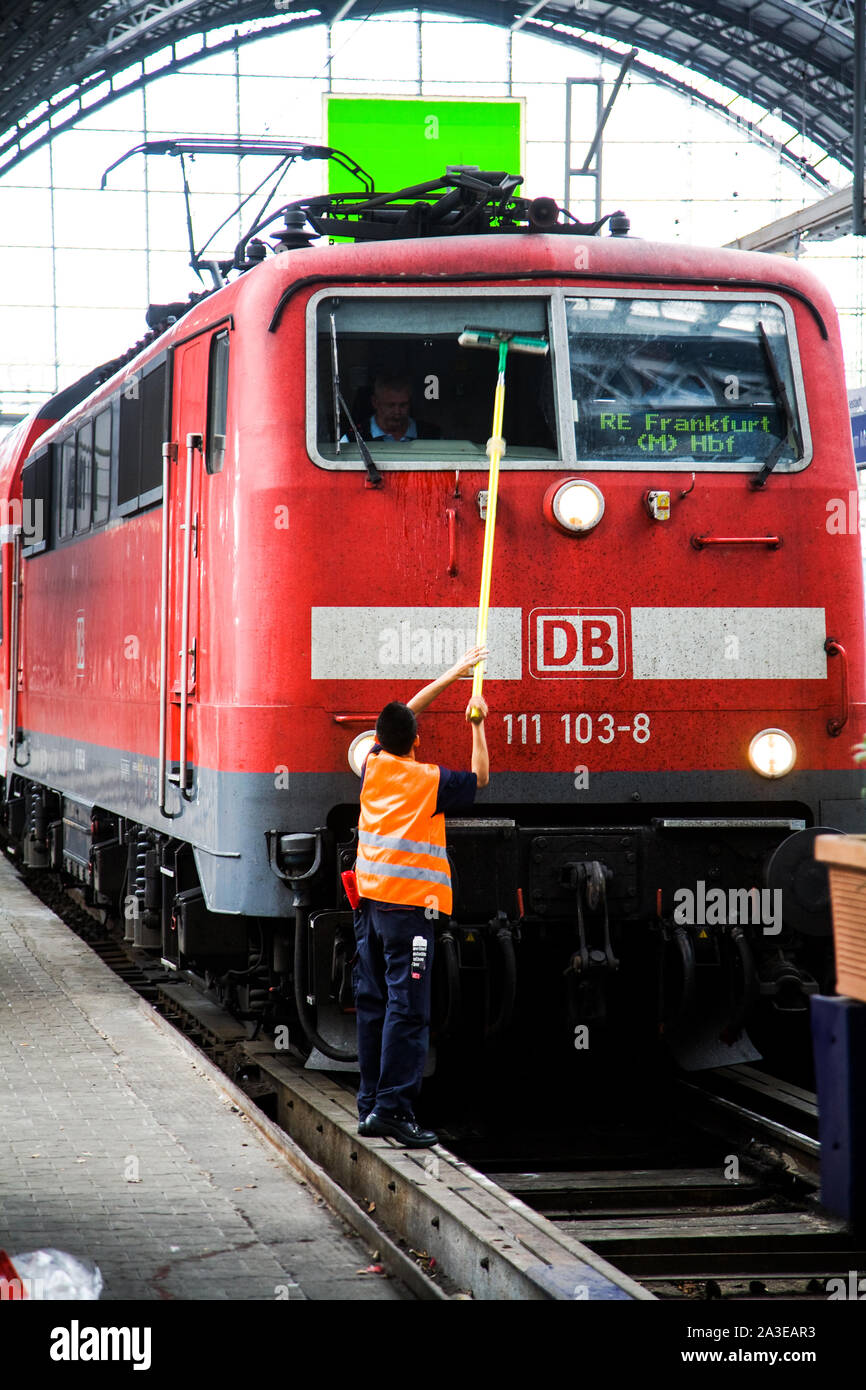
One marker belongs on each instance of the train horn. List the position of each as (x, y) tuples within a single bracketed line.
[(543, 213)]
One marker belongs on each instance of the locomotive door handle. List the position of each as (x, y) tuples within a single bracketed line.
[(452, 540), (771, 542), (193, 442), (838, 722), (169, 456)]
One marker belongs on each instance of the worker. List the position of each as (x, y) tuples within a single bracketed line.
[(404, 884)]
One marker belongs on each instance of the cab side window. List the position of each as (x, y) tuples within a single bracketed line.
[(217, 402)]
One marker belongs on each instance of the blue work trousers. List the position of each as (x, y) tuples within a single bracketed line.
[(392, 997)]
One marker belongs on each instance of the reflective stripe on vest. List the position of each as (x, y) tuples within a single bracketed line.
[(401, 838)]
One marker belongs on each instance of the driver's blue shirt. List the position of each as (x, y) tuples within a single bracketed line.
[(376, 431)]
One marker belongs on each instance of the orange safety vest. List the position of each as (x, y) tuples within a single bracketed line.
[(401, 838)]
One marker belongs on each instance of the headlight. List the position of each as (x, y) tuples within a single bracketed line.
[(772, 752), (574, 506), (358, 750)]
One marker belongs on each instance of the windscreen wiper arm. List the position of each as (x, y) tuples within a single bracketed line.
[(792, 431), (373, 474)]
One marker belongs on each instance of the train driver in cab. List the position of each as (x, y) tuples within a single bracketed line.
[(391, 402), (404, 882)]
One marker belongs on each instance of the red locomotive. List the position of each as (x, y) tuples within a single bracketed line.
[(212, 582)]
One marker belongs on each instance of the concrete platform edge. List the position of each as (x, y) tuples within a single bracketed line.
[(393, 1258)]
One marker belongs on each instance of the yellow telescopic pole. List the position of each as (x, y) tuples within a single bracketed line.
[(495, 450)]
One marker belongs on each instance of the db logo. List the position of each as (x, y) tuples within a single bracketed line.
[(577, 642)]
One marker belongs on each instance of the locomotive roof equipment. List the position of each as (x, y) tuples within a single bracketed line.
[(466, 201), (285, 151)]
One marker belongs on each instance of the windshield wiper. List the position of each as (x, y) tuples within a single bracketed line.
[(792, 432), (373, 475)]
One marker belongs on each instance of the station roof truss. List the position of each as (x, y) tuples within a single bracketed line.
[(60, 60)]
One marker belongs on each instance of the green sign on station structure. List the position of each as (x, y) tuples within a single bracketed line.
[(408, 140)]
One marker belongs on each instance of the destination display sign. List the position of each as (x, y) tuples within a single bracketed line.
[(717, 433)]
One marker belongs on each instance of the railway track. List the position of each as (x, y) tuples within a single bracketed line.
[(727, 1209), (723, 1206)]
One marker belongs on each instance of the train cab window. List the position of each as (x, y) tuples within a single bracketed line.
[(217, 408), (143, 426), (418, 398), (684, 383)]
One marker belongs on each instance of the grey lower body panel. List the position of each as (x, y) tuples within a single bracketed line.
[(229, 813)]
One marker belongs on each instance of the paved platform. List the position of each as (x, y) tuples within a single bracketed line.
[(116, 1147)]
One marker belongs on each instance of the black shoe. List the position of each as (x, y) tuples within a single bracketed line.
[(362, 1125), (405, 1129)]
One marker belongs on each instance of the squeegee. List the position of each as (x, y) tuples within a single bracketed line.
[(502, 340)]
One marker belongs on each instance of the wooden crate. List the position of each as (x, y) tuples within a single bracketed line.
[(845, 857)]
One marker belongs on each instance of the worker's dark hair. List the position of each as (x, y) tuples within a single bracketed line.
[(396, 728)]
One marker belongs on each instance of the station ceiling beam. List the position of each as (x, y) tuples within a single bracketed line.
[(60, 59), (826, 220)]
